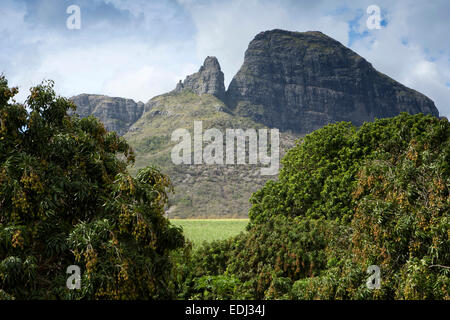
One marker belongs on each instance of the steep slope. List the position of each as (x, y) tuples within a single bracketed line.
[(117, 114), (301, 81), (208, 80), (296, 82), (200, 190)]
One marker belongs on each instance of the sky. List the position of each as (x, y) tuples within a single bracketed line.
[(141, 48)]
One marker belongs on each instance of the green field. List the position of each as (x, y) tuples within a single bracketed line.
[(199, 230)]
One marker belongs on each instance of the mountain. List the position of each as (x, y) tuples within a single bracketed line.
[(301, 81), (208, 80), (294, 81), (220, 191), (117, 114)]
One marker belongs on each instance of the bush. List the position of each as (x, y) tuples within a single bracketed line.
[(282, 248), (221, 287)]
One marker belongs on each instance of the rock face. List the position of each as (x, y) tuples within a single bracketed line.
[(296, 82), (117, 114), (208, 80), (301, 81)]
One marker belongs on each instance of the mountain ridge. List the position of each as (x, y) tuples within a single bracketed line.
[(312, 105), (302, 81), (294, 81)]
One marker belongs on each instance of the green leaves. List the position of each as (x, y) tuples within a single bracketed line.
[(64, 196), (348, 198), (320, 172)]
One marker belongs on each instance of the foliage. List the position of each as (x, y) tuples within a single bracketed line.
[(320, 172), (221, 287), (190, 265), (348, 198), (279, 249), (66, 198)]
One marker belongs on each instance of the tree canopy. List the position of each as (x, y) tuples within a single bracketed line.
[(66, 198), (346, 198)]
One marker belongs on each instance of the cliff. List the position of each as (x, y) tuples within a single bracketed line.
[(301, 81)]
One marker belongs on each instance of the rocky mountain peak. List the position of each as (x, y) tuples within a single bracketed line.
[(117, 114), (208, 80), (301, 81), (294, 81), (210, 63)]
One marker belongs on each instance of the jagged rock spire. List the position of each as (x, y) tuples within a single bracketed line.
[(208, 80)]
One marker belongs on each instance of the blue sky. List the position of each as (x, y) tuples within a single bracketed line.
[(140, 48)]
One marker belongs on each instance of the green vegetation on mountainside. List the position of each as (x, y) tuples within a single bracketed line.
[(195, 185)]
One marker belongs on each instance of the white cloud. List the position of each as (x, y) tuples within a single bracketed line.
[(224, 29), (131, 70), (144, 82), (96, 58), (162, 42), (413, 38), (128, 69), (414, 61)]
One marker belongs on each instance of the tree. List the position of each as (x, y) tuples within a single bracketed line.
[(66, 198), (348, 198)]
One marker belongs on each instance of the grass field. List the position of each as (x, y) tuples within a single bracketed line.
[(199, 230)]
